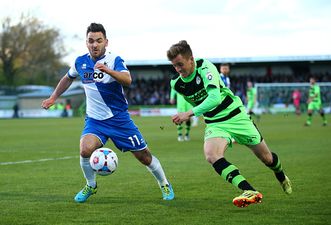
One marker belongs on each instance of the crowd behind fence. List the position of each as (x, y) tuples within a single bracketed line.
[(152, 92), (156, 91)]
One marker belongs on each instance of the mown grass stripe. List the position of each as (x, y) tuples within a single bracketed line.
[(37, 160)]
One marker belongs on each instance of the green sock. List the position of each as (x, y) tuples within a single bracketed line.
[(231, 174), (276, 166), (179, 129), (188, 128)]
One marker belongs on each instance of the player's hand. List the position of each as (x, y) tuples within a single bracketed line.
[(181, 117), (47, 103), (176, 119), (102, 67)]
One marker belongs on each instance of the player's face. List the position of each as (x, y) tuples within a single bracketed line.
[(96, 44), (183, 65), (312, 81), (225, 70)]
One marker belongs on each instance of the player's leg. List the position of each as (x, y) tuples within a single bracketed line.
[(271, 160), (250, 106), (251, 112), (297, 108), (154, 166), (321, 111), (181, 107), (88, 144), (186, 107), (180, 132), (91, 139), (128, 138), (309, 114), (214, 149), (187, 129)]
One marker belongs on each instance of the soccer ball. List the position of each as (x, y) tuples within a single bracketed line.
[(104, 161)]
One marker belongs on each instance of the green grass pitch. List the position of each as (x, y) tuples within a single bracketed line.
[(41, 191)]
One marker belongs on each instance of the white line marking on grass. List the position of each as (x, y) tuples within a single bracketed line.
[(37, 160)]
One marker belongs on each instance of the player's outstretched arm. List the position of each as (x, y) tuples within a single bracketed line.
[(61, 87), (213, 100)]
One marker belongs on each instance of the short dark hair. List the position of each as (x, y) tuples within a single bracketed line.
[(225, 64), (182, 48), (96, 27)]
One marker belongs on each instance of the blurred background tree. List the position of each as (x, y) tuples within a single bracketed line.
[(30, 53)]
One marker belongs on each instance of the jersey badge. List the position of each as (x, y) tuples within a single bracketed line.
[(198, 80), (209, 76)]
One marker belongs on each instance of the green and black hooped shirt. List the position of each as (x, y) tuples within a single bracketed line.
[(204, 82), (315, 94)]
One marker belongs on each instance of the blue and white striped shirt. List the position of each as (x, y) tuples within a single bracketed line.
[(104, 95)]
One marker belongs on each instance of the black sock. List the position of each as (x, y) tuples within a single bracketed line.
[(276, 166), (231, 174)]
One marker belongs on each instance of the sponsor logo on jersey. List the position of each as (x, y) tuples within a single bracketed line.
[(209, 76), (200, 95), (94, 75), (91, 77)]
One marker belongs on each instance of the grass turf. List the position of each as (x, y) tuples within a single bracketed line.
[(41, 192)]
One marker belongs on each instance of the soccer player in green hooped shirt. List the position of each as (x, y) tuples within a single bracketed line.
[(315, 102), (182, 106), (225, 117), (251, 99)]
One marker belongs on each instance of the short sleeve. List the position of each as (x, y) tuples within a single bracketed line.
[(72, 73), (210, 75), (119, 65)]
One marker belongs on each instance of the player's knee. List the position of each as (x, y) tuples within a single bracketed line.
[(146, 160), (214, 149), (88, 144), (86, 152), (86, 149), (144, 156), (212, 158)]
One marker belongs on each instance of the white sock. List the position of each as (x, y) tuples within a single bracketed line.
[(88, 172), (156, 169)]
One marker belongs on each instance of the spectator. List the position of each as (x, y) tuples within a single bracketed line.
[(16, 110), (296, 96)]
